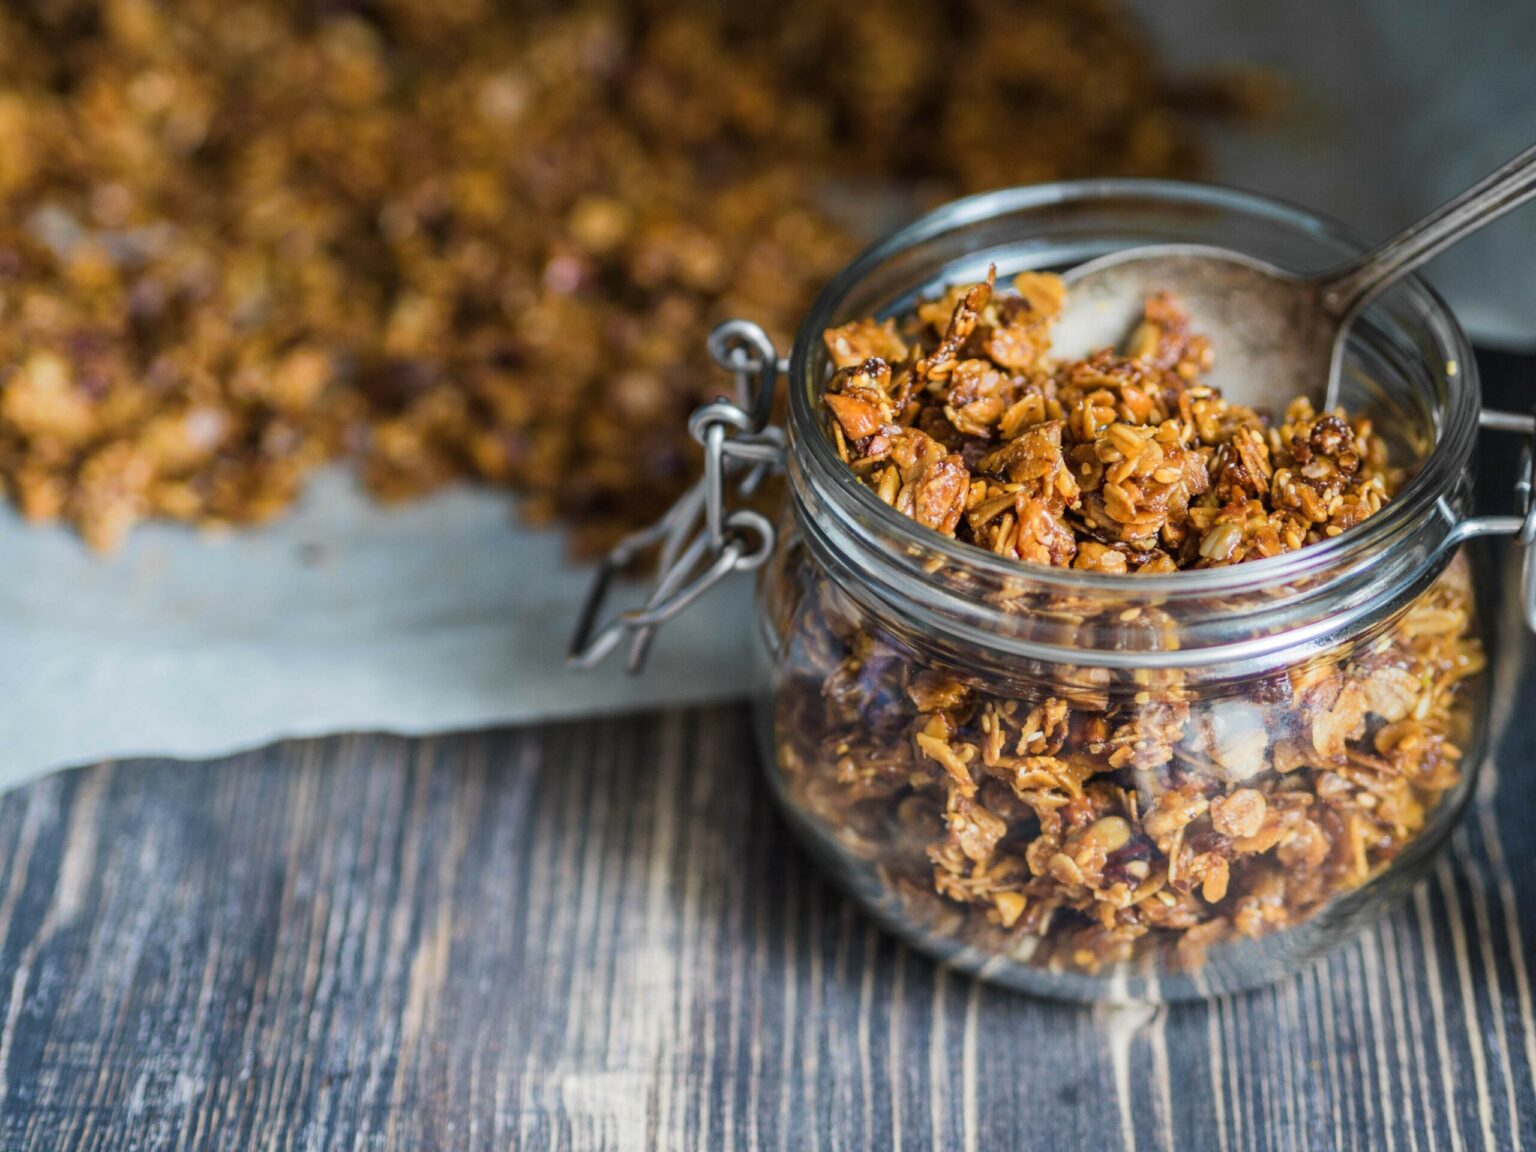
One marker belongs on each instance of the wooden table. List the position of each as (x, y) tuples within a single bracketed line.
[(600, 934)]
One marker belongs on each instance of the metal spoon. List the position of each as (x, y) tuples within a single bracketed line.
[(1276, 334)]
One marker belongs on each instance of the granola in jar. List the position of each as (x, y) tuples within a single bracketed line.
[(1079, 822)]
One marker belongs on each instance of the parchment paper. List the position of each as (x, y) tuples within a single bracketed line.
[(344, 616), (444, 615)]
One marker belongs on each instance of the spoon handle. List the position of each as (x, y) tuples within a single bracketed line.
[(1344, 290)]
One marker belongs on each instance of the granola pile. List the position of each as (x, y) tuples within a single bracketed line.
[(468, 239), (1123, 462), (1145, 817)]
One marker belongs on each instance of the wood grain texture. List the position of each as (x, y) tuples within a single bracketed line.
[(599, 935)]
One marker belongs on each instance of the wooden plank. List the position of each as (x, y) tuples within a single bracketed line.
[(600, 935)]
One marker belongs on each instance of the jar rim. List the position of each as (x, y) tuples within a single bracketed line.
[(1456, 420)]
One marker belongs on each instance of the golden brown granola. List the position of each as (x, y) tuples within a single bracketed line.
[(1116, 463), (473, 239), (1148, 817)]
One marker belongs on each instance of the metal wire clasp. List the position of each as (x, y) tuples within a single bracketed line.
[(1522, 526), (702, 540)]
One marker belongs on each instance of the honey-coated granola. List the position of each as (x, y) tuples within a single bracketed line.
[(472, 239), (1069, 826)]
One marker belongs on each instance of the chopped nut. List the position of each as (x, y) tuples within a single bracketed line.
[(1109, 834), (862, 340), (1236, 739), (1239, 814), (1391, 692), (952, 761), (1215, 878), (1173, 811), (1010, 906), (933, 691), (859, 418), (1340, 723)]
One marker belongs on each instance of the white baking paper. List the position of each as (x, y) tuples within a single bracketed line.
[(344, 616), (444, 615)]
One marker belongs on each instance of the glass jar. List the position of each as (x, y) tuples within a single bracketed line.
[(1089, 785)]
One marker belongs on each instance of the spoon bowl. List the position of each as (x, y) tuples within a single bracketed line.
[(1273, 339)]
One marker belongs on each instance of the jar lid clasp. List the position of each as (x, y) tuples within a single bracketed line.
[(1522, 526), (702, 540)]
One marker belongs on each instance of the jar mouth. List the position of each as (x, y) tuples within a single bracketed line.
[(1455, 419)]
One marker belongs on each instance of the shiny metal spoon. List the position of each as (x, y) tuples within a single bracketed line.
[(1276, 335)]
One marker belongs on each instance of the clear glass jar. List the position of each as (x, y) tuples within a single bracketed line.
[(1098, 786)]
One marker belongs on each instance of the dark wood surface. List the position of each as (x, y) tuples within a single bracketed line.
[(600, 935)]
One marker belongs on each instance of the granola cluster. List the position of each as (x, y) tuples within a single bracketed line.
[(1145, 817), (1123, 462), (472, 239)]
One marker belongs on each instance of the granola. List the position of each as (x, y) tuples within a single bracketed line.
[(1076, 827), (1121, 462), (474, 240)]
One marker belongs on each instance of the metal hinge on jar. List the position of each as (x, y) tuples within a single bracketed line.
[(701, 540), (1522, 526)]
